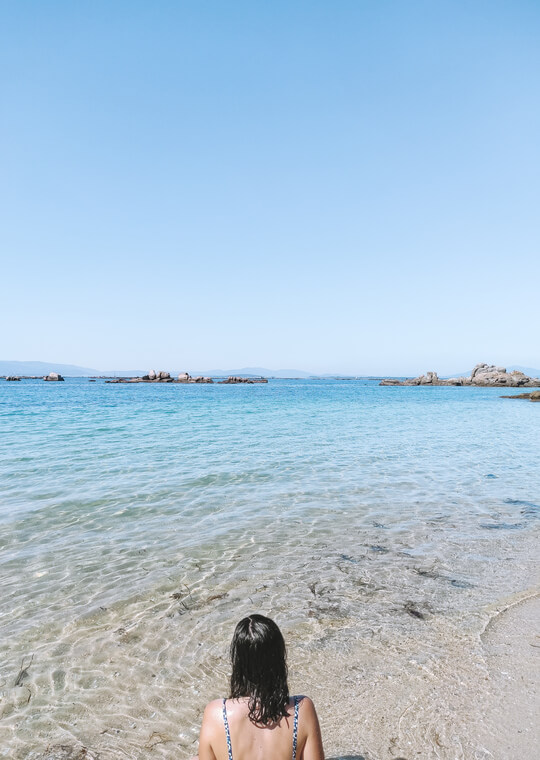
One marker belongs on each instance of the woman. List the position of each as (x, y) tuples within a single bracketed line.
[(260, 721)]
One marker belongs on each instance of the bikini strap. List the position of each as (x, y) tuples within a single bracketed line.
[(227, 732), (295, 728)]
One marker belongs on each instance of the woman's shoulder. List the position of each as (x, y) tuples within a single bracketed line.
[(304, 701), (215, 704), (213, 709), (306, 710)]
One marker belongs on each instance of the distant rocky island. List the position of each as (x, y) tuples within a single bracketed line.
[(184, 377), (483, 375), (52, 376)]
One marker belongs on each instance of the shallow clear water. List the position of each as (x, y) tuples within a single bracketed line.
[(350, 512)]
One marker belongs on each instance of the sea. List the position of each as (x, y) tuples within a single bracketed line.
[(380, 526)]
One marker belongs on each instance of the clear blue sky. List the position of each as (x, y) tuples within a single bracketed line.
[(338, 186)]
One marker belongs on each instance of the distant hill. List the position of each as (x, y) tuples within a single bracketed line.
[(43, 368), (527, 370), (73, 370), (67, 370)]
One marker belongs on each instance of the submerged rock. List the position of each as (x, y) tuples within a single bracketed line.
[(67, 752), (534, 396)]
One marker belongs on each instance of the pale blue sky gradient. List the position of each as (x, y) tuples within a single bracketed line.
[(331, 186)]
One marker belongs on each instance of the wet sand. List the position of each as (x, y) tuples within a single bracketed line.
[(479, 700)]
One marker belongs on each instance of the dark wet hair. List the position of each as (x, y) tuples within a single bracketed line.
[(259, 669)]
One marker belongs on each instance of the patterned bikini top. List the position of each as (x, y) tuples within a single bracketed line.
[(294, 736)]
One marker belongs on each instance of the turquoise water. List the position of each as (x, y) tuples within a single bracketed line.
[(114, 496)]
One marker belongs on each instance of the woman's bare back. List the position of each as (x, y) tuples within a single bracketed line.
[(250, 741)]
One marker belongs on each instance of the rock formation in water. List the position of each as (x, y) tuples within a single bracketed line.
[(534, 396), (53, 377), (13, 378), (161, 377), (184, 378), (155, 377), (250, 380), (483, 375)]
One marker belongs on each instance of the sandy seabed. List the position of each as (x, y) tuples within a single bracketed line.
[(470, 693)]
